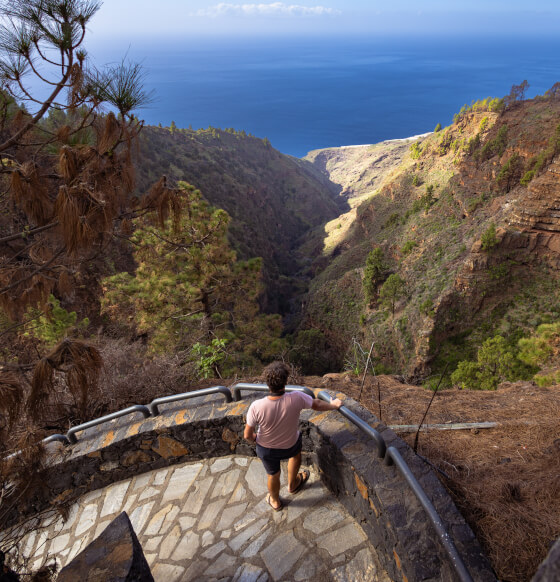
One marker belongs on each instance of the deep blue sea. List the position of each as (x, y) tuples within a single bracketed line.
[(305, 94)]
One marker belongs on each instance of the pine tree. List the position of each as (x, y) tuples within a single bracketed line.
[(391, 291), (65, 164), (373, 273), (189, 287)]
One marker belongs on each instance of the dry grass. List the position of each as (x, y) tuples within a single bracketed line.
[(130, 377), (505, 480)]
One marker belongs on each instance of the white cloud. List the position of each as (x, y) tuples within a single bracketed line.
[(273, 9)]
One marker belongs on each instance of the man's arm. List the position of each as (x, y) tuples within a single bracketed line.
[(249, 433), (321, 405)]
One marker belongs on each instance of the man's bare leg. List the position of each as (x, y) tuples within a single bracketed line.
[(293, 468), (274, 489)]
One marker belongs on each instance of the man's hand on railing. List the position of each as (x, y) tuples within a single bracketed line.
[(321, 405)]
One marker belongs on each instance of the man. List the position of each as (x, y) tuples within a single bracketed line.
[(278, 437)]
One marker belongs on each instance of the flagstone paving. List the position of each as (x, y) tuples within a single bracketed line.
[(209, 521)]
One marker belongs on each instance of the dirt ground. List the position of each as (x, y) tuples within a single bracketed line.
[(505, 480)]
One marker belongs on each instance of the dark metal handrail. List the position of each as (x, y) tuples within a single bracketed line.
[(61, 438), (151, 409), (71, 434), (363, 425), (154, 404), (392, 456), (264, 388)]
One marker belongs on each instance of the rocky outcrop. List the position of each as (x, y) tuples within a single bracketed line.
[(540, 208), (115, 556)]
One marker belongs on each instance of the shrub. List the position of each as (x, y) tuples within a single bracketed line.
[(473, 144), (54, 325), (437, 128), (408, 246), (427, 307), (497, 145), (527, 177), (510, 172), (489, 239), (208, 357), (537, 163), (541, 352), (496, 362), (415, 150), (426, 201), (483, 124), (394, 219)]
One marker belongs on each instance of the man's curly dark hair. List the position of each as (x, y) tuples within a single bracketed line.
[(276, 376)]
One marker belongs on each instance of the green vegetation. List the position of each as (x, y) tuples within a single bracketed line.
[(415, 150), (426, 201), (54, 324), (489, 239), (208, 358), (495, 146), (537, 163), (437, 128), (510, 172), (427, 307), (374, 273), (541, 351), (496, 362), (408, 246), (492, 104), (189, 289), (391, 291)]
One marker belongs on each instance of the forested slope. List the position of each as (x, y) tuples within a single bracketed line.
[(274, 200)]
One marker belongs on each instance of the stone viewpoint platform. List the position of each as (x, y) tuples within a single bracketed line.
[(195, 495), (209, 521)]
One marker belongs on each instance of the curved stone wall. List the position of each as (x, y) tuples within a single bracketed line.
[(375, 494)]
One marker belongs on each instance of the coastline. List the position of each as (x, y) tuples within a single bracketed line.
[(398, 139), (369, 145)]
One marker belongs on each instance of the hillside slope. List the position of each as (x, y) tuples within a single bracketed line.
[(451, 189), (274, 200)]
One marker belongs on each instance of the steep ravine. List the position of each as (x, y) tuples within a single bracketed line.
[(428, 215)]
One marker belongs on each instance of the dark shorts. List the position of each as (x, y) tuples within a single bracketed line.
[(271, 457)]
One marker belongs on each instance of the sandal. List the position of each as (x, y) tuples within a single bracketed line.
[(269, 501), (303, 477)]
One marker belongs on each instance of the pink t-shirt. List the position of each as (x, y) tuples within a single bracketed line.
[(278, 420)]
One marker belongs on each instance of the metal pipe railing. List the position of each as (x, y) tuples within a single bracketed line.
[(362, 424), (62, 438), (392, 456), (264, 388), (154, 404), (71, 434), (151, 409)]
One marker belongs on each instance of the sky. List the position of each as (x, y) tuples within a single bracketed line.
[(134, 18)]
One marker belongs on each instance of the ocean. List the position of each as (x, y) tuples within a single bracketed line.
[(309, 93)]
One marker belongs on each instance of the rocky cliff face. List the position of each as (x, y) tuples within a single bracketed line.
[(430, 217)]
